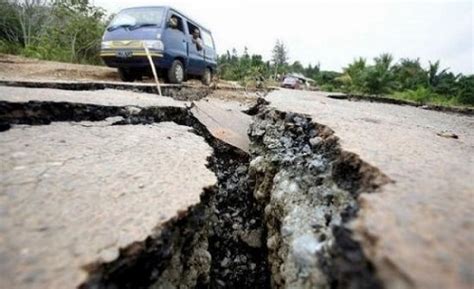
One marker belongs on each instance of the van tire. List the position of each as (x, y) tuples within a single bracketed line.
[(207, 77), (176, 72), (126, 75)]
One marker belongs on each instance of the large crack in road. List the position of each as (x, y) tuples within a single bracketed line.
[(309, 186), (276, 219), (178, 92)]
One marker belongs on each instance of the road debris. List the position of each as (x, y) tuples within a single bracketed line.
[(447, 134)]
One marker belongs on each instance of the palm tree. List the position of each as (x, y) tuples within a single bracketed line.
[(409, 74), (352, 78), (379, 79), (434, 75)]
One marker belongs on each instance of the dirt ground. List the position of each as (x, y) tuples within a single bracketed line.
[(18, 67), (15, 67)]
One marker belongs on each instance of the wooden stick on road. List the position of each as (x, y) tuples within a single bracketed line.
[(153, 69)]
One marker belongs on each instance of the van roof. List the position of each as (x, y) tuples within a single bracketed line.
[(171, 8)]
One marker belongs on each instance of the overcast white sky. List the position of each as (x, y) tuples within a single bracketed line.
[(335, 32)]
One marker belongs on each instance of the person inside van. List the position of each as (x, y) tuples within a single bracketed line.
[(173, 23), (197, 39)]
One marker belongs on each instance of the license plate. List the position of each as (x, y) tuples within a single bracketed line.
[(124, 54)]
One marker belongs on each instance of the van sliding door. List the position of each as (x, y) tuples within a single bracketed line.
[(175, 39), (197, 63), (209, 49)]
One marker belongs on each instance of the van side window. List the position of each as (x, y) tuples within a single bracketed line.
[(191, 28), (179, 22), (207, 39), (196, 36)]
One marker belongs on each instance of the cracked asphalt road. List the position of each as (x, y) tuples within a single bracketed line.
[(419, 230), (224, 119), (74, 193), (109, 97)]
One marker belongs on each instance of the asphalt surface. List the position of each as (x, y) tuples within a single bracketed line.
[(223, 119), (419, 230), (74, 193), (65, 187), (107, 97)]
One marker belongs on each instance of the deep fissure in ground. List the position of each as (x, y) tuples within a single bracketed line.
[(277, 217), (178, 92), (219, 243), (309, 186)]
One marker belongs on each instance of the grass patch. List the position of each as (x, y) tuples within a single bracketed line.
[(423, 95), (9, 47)]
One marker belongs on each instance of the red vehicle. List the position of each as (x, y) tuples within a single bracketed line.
[(291, 82)]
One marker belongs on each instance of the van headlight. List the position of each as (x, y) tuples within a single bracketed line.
[(154, 44), (106, 44)]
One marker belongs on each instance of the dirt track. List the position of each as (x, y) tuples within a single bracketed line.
[(16, 67)]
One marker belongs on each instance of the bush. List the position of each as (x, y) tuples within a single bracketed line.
[(424, 95), (419, 95), (466, 90), (10, 47), (328, 87), (62, 30)]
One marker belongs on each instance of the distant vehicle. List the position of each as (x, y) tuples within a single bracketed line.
[(291, 82), (179, 46), (298, 81)]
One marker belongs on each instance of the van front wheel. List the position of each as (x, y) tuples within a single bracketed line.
[(126, 75), (176, 72), (207, 77)]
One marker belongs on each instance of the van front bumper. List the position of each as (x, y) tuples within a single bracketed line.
[(130, 57)]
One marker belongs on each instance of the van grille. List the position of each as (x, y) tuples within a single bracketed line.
[(126, 44)]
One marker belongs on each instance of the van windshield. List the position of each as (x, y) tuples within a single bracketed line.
[(138, 17)]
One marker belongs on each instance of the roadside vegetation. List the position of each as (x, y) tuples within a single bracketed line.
[(71, 31), (405, 79), (61, 30)]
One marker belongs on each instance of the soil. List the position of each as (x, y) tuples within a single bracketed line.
[(13, 67), (17, 67)]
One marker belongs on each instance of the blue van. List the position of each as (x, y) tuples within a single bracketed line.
[(179, 46)]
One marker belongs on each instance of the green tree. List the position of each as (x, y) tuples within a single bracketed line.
[(33, 17), (378, 79), (353, 76), (65, 30), (243, 67), (465, 92), (435, 75), (447, 84), (23, 22), (280, 57), (81, 31), (328, 80), (409, 74), (297, 67), (10, 29), (313, 71)]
